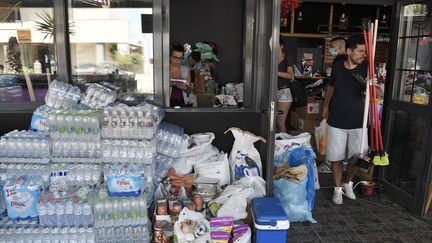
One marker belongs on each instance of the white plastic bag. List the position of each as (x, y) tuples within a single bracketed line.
[(285, 142), (184, 165), (199, 149), (216, 167), (244, 157), (321, 137), (256, 183), (186, 214), (236, 205)]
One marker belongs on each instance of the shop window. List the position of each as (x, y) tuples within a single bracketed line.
[(110, 45), (212, 37), (414, 65), (27, 53)]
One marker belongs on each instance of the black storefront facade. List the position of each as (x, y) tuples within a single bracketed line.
[(253, 51)]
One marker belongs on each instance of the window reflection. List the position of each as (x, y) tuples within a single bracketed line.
[(109, 46), (27, 54)]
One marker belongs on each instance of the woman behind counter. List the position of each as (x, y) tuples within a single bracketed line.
[(179, 76), (285, 75)]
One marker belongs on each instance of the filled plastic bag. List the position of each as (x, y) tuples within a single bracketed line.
[(235, 206), (244, 157), (216, 167), (199, 149), (304, 156), (294, 199), (321, 137), (203, 236), (285, 143), (256, 183)]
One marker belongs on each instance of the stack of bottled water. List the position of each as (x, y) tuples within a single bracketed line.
[(98, 96), (62, 95), (76, 150), (25, 147), (120, 211), (15, 170), (129, 122), (74, 124), (66, 209), (20, 196), (34, 233), (126, 179), (163, 163), (134, 234), (39, 121), (11, 93), (171, 140), (65, 176), (132, 151)]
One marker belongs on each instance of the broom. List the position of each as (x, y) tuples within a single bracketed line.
[(382, 157), (361, 160)]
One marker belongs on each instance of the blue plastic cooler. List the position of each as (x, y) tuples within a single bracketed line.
[(270, 219)]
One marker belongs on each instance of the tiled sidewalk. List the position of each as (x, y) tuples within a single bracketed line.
[(363, 220)]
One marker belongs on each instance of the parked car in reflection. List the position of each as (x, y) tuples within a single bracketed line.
[(85, 69)]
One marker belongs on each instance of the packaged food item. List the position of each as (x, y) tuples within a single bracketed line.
[(241, 232), (220, 237), (221, 224)]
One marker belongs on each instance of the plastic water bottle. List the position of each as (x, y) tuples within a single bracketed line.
[(42, 210), (78, 211), (132, 124), (51, 213), (87, 215), (69, 212), (60, 211)]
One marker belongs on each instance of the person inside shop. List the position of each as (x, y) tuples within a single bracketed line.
[(285, 75), (193, 62), (343, 109), (179, 76), (337, 49)]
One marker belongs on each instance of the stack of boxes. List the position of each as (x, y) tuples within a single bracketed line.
[(306, 118)]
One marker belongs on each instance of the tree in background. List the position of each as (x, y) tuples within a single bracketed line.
[(13, 54)]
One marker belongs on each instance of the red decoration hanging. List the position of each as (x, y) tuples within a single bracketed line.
[(288, 5)]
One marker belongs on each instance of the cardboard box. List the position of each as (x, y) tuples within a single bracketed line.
[(304, 125), (294, 120), (199, 86), (308, 125), (205, 100), (312, 110)]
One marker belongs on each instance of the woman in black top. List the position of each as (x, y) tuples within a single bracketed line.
[(285, 75)]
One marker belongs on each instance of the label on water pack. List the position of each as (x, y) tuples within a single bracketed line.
[(21, 203), (39, 123), (122, 183)]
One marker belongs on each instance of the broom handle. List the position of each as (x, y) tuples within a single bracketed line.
[(365, 118)]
